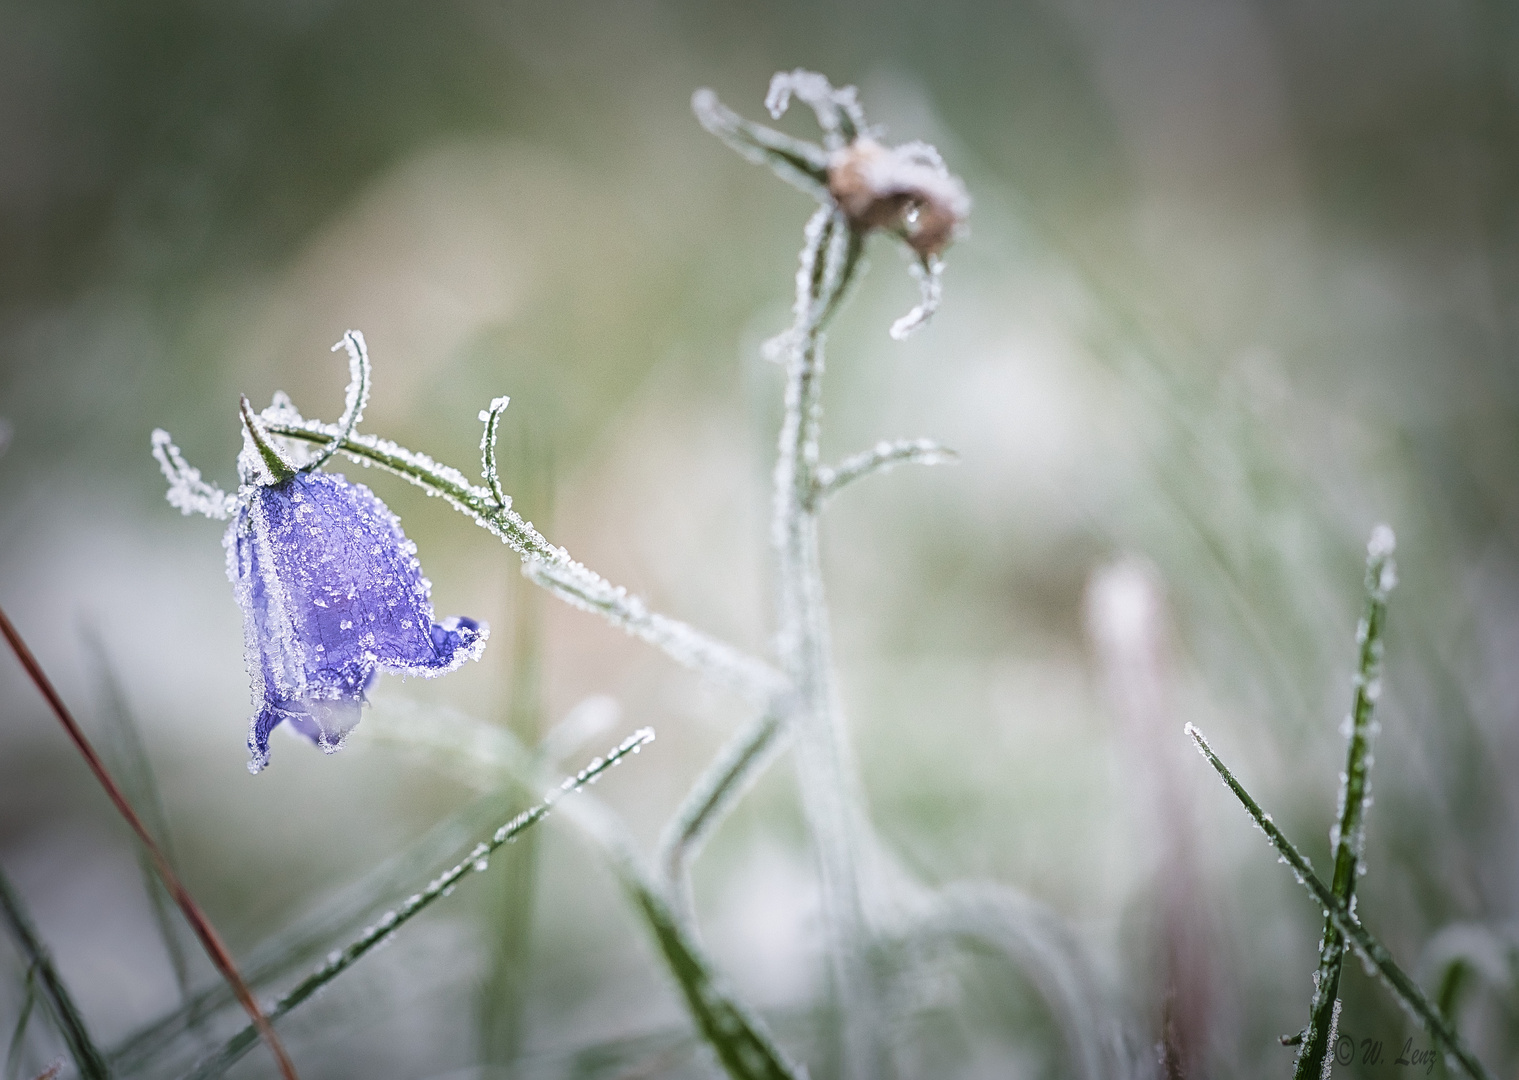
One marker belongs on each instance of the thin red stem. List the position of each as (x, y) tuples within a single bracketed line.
[(197, 918)]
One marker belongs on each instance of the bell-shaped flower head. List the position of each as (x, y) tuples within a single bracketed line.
[(330, 587)]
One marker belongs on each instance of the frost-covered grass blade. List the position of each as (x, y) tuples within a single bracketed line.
[(715, 791), (311, 935), (478, 859), (1349, 833), (1372, 951), (737, 1035)]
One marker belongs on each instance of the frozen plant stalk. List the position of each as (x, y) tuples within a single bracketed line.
[(1348, 835), (861, 186)]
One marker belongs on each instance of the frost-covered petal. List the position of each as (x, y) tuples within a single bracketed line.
[(331, 592)]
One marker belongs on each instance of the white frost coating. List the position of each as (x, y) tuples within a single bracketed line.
[(879, 458), (835, 107), (914, 167), (491, 418), (929, 274), (1383, 542), (355, 398), (187, 491), (553, 568), (1334, 1029), (586, 589)]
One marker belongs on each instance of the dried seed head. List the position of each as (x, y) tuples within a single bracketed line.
[(904, 188)]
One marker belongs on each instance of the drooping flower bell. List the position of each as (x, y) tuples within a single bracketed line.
[(330, 587)]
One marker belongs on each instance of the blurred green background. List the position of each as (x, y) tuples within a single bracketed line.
[(1241, 280)]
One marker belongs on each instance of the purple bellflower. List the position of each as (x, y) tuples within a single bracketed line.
[(330, 587)]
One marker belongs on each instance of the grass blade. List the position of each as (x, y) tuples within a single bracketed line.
[(1355, 794), (207, 934), (311, 935), (341, 960), (60, 1002), (1372, 951), (128, 757), (738, 1036), (742, 1044), (18, 1033)]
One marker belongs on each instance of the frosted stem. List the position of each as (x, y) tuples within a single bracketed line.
[(1348, 837), (354, 401), (547, 565), (188, 493), (1372, 951), (491, 418), (715, 791), (830, 788), (929, 272), (879, 458)]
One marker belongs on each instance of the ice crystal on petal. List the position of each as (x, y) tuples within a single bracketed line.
[(331, 593)]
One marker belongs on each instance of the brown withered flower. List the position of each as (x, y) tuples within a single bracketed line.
[(904, 189)]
